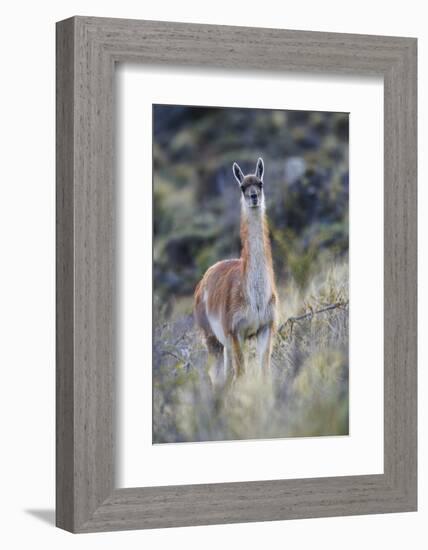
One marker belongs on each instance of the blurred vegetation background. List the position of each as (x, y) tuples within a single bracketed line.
[(196, 205)]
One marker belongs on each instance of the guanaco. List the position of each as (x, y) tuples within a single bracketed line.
[(236, 299)]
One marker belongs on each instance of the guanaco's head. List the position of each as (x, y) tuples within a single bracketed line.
[(251, 185)]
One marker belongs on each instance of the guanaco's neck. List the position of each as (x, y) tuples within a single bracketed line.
[(256, 255)]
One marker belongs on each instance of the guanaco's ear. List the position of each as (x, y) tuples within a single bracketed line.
[(260, 168), (237, 172)]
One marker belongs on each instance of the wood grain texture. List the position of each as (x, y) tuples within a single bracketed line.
[(64, 276), (87, 50)]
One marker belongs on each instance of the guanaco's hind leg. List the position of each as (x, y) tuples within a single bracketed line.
[(264, 348), (214, 347), (215, 361)]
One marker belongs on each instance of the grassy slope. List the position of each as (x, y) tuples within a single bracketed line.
[(306, 393)]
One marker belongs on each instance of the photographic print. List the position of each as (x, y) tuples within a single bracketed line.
[(250, 273)]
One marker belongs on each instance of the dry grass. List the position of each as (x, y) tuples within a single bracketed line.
[(306, 393)]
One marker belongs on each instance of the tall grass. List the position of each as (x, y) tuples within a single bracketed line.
[(305, 394)]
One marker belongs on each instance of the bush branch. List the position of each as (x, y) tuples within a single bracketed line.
[(291, 320)]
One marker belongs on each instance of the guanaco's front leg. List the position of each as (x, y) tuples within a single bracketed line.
[(238, 356), (264, 347)]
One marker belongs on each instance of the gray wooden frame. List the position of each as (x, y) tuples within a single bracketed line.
[(87, 50)]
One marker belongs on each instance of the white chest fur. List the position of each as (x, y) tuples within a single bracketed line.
[(257, 281)]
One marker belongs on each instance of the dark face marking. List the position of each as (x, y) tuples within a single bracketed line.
[(251, 188)]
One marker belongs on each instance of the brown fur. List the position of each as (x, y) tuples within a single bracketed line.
[(223, 282)]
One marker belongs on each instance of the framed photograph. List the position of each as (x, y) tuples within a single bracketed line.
[(236, 274), (254, 346)]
